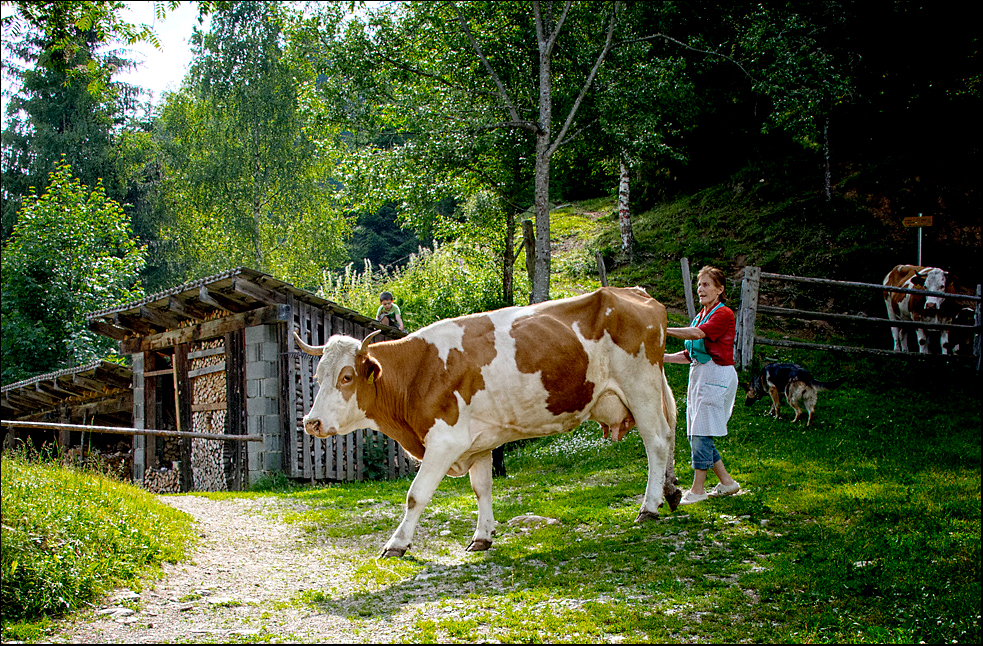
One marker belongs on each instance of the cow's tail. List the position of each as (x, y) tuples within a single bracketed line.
[(668, 401)]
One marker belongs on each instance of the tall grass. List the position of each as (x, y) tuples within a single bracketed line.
[(448, 280), (69, 535)]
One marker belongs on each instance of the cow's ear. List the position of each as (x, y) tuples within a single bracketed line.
[(368, 368), (918, 279)]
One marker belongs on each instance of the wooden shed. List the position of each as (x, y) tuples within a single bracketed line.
[(217, 356), (97, 393)]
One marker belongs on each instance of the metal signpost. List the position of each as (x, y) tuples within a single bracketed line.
[(920, 222)]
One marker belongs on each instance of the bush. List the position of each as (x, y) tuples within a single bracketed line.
[(450, 280), (69, 535)]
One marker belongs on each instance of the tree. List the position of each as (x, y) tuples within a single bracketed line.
[(71, 252), (53, 113), (248, 175), (452, 74)]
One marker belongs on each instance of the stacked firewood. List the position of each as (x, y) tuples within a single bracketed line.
[(162, 480), (207, 469), (116, 461)]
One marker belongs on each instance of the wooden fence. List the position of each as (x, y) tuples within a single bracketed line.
[(750, 308), (342, 457)]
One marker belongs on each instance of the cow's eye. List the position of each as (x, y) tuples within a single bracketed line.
[(345, 379)]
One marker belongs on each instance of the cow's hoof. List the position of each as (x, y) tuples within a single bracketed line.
[(647, 515), (392, 553), (674, 498), (479, 545)]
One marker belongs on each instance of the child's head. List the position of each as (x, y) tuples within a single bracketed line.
[(385, 298)]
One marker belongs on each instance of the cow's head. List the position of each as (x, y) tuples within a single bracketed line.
[(933, 279), (345, 366)]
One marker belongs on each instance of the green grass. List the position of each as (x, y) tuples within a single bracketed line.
[(70, 535), (865, 527)]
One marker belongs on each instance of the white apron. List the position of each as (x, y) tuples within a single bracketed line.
[(710, 398)]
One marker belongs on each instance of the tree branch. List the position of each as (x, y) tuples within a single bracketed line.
[(682, 44), (481, 55), (590, 78)]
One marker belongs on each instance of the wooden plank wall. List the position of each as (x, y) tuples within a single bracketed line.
[(336, 458)]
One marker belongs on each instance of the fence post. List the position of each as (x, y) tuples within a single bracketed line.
[(978, 320), (601, 270), (688, 288), (749, 309)]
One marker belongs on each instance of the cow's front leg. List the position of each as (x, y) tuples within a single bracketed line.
[(481, 484), (443, 450), (944, 342), (922, 340)]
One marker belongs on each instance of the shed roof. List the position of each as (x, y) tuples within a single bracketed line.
[(234, 291), (71, 384)]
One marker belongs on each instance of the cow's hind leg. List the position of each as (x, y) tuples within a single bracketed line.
[(655, 435), (440, 456), (481, 484)]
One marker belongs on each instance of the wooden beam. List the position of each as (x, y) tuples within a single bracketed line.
[(205, 330), (220, 301), (260, 293), (207, 370), (133, 323), (88, 384), (131, 431), (160, 318), (807, 315), (113, 332), (186, 308), (113, 378)]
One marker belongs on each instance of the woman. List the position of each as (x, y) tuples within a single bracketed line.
[(709, 343)]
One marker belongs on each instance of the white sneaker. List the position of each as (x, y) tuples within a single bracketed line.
[(724, 490), (690, 498)]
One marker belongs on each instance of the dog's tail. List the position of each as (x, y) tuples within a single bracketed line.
[(828, 385)]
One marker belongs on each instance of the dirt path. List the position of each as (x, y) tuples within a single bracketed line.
[(241, 584)]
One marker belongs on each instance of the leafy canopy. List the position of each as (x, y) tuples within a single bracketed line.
[(71, 252)]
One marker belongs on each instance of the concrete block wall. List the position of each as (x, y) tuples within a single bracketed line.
[(139, 419), (263, 401)]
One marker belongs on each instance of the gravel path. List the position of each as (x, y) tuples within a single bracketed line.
[(242, 583)]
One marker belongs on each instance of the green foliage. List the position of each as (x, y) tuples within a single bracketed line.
[(375, 457), (249, 170), (70, 535), (71, 252), (449, 280)]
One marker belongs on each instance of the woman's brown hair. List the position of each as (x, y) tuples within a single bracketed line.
[(718, 278)]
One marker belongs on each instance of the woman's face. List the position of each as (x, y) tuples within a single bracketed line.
[(708, 291)]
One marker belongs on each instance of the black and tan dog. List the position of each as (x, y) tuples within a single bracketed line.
[(793, 380)]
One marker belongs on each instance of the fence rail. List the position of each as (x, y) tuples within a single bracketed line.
[(747, 316), (118, 430)]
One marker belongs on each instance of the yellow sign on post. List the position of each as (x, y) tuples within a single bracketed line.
[(920, 221)]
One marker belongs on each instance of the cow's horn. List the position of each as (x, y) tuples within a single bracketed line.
[(365, 343), (315, 351)]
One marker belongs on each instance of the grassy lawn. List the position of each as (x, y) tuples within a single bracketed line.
[(863, 527)]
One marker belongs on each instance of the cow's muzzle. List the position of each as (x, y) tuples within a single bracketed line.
[(315, 428)]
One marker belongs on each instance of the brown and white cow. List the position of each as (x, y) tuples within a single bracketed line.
[(915, 307), (453, 391)]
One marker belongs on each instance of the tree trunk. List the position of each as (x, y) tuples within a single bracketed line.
[(624, 215), (829, 179), (541, 284), (508, 260), (529, 244)]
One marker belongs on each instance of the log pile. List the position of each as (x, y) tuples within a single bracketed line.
[(162, 480), (208, 471), (116, 462)]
